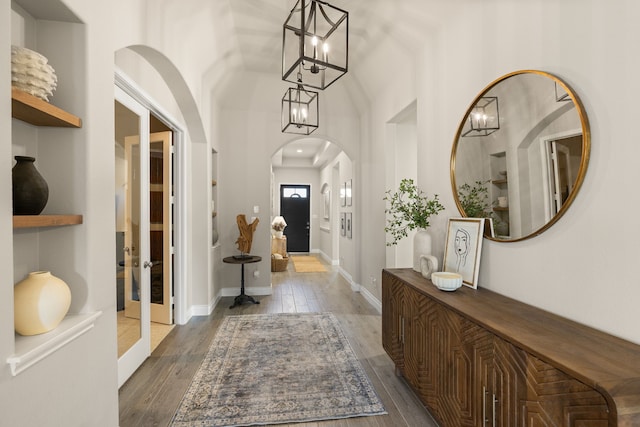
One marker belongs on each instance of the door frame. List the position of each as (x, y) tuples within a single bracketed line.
[(546, 160), (181, 313), (280, 188)]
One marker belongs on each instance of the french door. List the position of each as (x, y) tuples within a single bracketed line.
[(143, 231), (159, 236)]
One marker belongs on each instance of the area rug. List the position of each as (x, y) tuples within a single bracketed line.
[(275, 369), (307, 264)]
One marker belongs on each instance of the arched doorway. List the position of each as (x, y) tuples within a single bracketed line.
[(323, 168)]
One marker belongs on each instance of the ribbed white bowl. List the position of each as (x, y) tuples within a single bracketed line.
[(446, 281)]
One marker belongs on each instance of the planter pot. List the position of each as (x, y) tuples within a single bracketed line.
[(40, 303), (421, 246), (30, 190)]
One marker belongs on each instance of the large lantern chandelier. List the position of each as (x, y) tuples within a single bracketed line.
[(315, 44)]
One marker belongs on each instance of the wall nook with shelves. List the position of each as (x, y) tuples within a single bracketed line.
[(48, 132), (499, 192)]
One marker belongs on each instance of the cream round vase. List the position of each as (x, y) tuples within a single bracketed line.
[(421, 246), (41, 301)]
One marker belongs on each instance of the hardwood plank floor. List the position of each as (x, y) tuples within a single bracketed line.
[(152, 394)]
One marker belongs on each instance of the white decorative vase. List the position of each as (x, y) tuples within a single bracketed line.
[(421, 246), (40, 302)]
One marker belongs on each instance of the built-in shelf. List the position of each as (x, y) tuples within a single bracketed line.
[(32, 221), (37, 112), (29, 350)]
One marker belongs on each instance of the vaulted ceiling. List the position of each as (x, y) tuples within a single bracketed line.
[(238, 45)]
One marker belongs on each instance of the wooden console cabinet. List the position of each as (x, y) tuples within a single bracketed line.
[(476, 358)]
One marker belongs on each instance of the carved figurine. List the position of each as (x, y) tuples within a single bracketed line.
[(246, 233)]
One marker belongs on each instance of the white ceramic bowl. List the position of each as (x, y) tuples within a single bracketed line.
[(446, 281)]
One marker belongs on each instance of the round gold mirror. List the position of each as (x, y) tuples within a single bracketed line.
[(520, 154)]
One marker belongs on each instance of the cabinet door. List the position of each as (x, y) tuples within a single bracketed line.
[(392, 318), (422, 346), (555, 399), (477, 347), (496, 380), (509, 386), (456, 405)]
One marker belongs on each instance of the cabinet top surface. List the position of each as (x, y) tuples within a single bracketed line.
[(594, 357)]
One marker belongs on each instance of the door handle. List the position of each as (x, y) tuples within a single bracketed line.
[(147, 264), (484, 406), (495, 401)]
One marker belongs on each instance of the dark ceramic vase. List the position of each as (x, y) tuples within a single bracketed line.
[(30, 190)]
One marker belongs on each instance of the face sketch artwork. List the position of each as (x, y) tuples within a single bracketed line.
[(464, 239), (461, 246)]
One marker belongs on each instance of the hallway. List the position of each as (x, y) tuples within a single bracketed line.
[(153, 393)]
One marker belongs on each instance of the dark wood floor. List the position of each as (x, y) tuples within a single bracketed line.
[(151, 396)]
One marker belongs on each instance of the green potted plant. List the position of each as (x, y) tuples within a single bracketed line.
[(410, 209), (474, 200)]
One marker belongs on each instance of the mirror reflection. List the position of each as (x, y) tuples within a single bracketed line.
[(520, 154)]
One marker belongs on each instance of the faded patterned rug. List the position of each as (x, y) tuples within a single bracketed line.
[(278, 368)]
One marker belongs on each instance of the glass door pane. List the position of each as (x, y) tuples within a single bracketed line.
[(132, 233), (127, 156), (160, 215)]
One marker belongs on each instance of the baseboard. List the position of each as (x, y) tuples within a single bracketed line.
[(355, 287), (371, 299)]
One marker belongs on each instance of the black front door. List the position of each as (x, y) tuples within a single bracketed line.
[(295, 206)]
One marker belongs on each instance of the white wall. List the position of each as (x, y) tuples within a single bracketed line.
[(566, 269)]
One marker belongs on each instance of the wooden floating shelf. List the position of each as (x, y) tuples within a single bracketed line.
[(31, 221), (499, 181), (37, 112), (500, 209)]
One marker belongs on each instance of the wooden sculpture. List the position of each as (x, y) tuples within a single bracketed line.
[(246, 233)]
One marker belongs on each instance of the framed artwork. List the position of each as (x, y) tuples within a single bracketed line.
[(343, 194), (327, 204), (347, 191), (343, 223), (349, 225), (463, 248)]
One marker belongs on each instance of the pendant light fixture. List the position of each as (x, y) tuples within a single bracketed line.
[(315, 44), (299, 111), (484, 118)]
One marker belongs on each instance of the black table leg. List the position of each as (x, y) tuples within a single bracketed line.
[(242, 298)]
